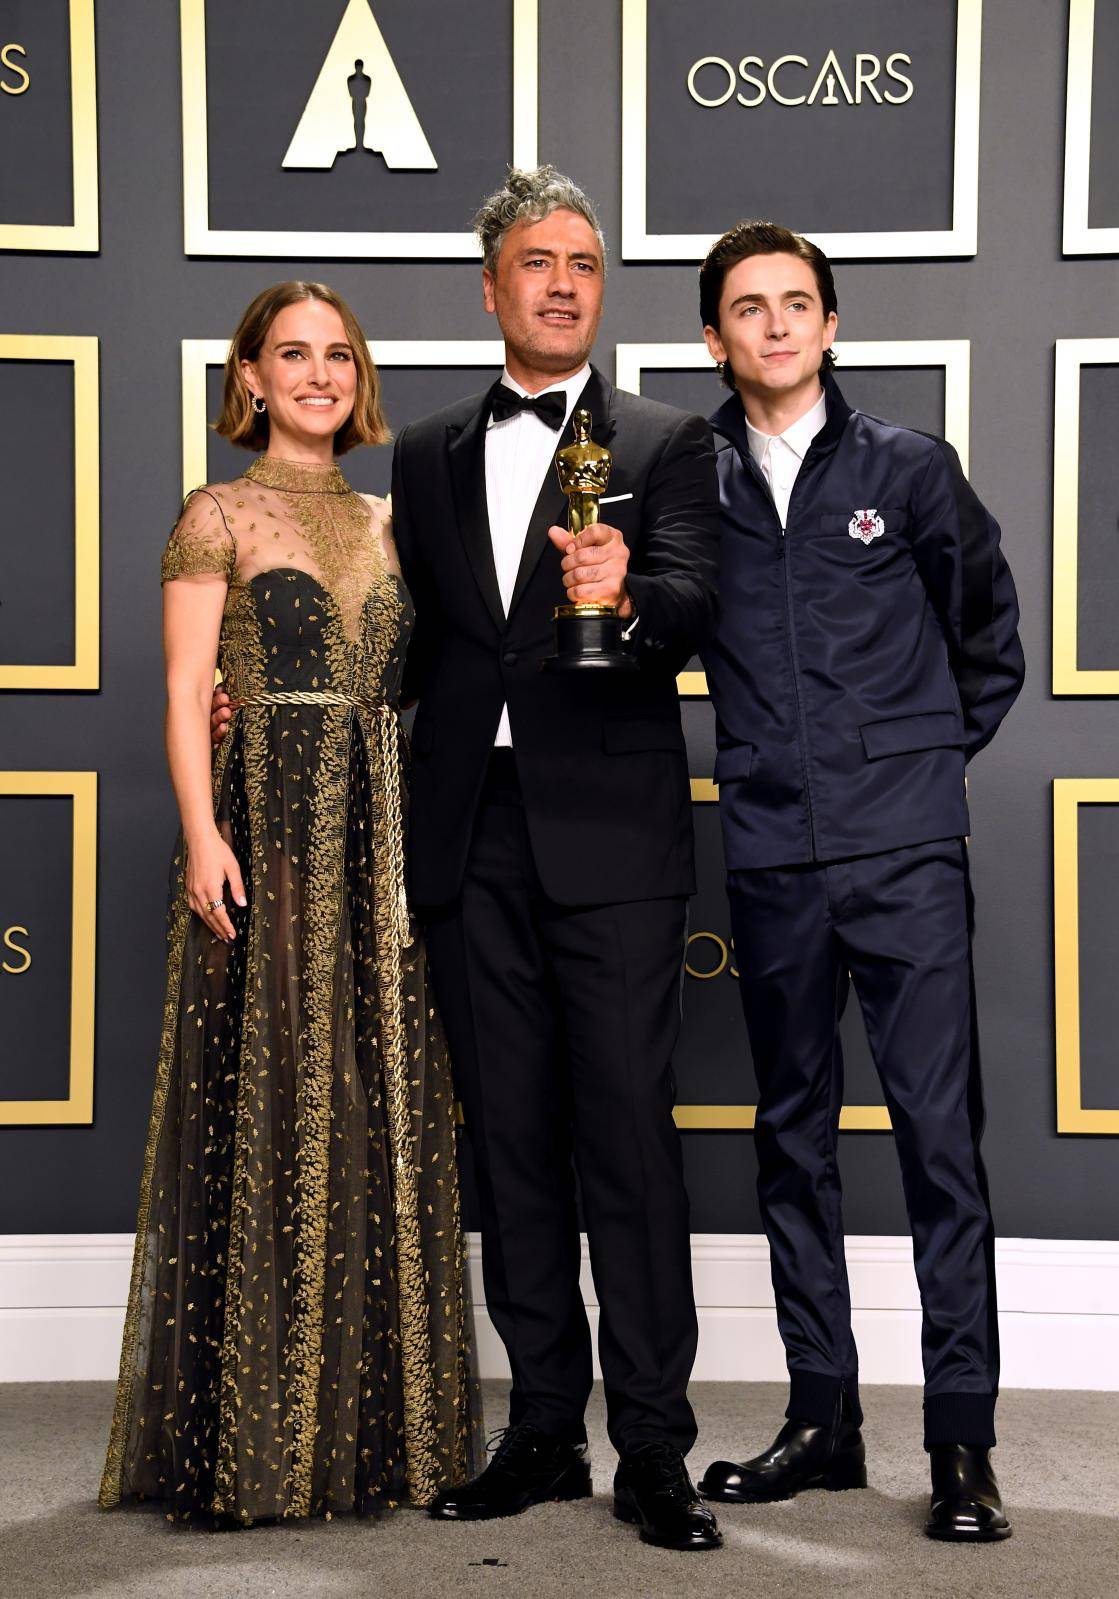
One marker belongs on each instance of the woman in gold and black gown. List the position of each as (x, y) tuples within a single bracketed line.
[(296, 1340)]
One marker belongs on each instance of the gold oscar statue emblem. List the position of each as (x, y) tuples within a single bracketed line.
[(590, 634)]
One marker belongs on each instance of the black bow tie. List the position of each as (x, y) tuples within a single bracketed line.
[(550, 408)]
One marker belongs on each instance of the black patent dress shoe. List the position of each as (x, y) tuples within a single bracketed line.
[(653, 1491), (528, 1468), (801, 1456), (966, 1505)]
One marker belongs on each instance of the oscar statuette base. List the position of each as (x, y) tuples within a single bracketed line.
[(588, 637)]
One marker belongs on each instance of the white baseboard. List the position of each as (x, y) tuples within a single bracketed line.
[(62, 1308)]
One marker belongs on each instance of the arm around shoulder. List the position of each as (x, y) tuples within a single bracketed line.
[(673, 574)]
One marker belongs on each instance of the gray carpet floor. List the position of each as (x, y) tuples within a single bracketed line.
[(1058, 1465)]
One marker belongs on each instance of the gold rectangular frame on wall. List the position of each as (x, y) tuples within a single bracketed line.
[(83, 233), (81, 352), (1079, 238), (1069, 793), (201, 239), (741, 1118), (77, 1108), (198, 354), (1071, 355), (961, 239), (954, 355)]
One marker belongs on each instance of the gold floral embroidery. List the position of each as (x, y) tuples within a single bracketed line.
[(419, 1407), (324, 873), (335, 526), (201, 542), (226, 1485)]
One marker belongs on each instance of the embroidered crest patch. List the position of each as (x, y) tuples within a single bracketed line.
[(866, 525)]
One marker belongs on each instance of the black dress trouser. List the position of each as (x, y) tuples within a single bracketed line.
[(561, 1023), (900, 924)]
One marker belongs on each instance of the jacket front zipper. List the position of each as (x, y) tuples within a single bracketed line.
[(794, 662)]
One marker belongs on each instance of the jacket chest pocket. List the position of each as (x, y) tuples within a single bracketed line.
[(867, 539), (864, 526), (619, 507)]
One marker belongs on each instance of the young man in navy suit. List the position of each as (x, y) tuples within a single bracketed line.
[(867, 647)]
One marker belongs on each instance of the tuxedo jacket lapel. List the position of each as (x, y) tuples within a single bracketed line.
[(551, 504), (466, 451)]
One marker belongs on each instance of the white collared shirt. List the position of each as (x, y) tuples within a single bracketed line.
[(779, 455), (519, 455)]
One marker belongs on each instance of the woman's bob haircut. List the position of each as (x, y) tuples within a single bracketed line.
[(240, 424)]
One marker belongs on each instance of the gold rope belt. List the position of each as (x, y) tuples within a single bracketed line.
[(385, 716), (313, 696)]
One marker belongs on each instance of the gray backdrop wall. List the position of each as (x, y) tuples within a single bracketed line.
[(140, 295)]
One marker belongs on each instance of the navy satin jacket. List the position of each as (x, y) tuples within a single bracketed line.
[(863, 655)]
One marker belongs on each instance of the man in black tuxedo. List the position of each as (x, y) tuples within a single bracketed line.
[(551, 861)]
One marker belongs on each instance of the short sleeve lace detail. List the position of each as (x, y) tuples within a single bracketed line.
[(201, 541)]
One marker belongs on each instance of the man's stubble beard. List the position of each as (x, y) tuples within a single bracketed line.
[(534, 353)]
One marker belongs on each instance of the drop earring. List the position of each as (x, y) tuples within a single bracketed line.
[(260, 405)]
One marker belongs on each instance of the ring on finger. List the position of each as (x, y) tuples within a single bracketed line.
[(215, 904)]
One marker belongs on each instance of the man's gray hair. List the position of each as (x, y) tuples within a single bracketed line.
[(529, 197)]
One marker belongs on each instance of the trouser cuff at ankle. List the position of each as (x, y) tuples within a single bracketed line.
[(556, 1431), (960, 1419), (814, 1395)]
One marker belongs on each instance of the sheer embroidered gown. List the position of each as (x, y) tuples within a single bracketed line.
[(296, 1335)]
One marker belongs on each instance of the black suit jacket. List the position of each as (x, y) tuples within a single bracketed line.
[(600, 755)]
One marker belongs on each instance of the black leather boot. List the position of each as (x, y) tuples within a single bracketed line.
[(802, 1455), (652, 1490), (966, 1506), (528, 1468)]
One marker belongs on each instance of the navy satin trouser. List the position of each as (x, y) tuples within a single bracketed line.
[(900, 924)]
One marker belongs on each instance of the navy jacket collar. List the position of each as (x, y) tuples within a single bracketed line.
[(729, 421)]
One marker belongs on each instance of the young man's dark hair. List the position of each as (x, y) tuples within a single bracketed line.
[(749, 238)]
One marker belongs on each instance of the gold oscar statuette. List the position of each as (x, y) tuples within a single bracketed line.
[(588, 635)]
